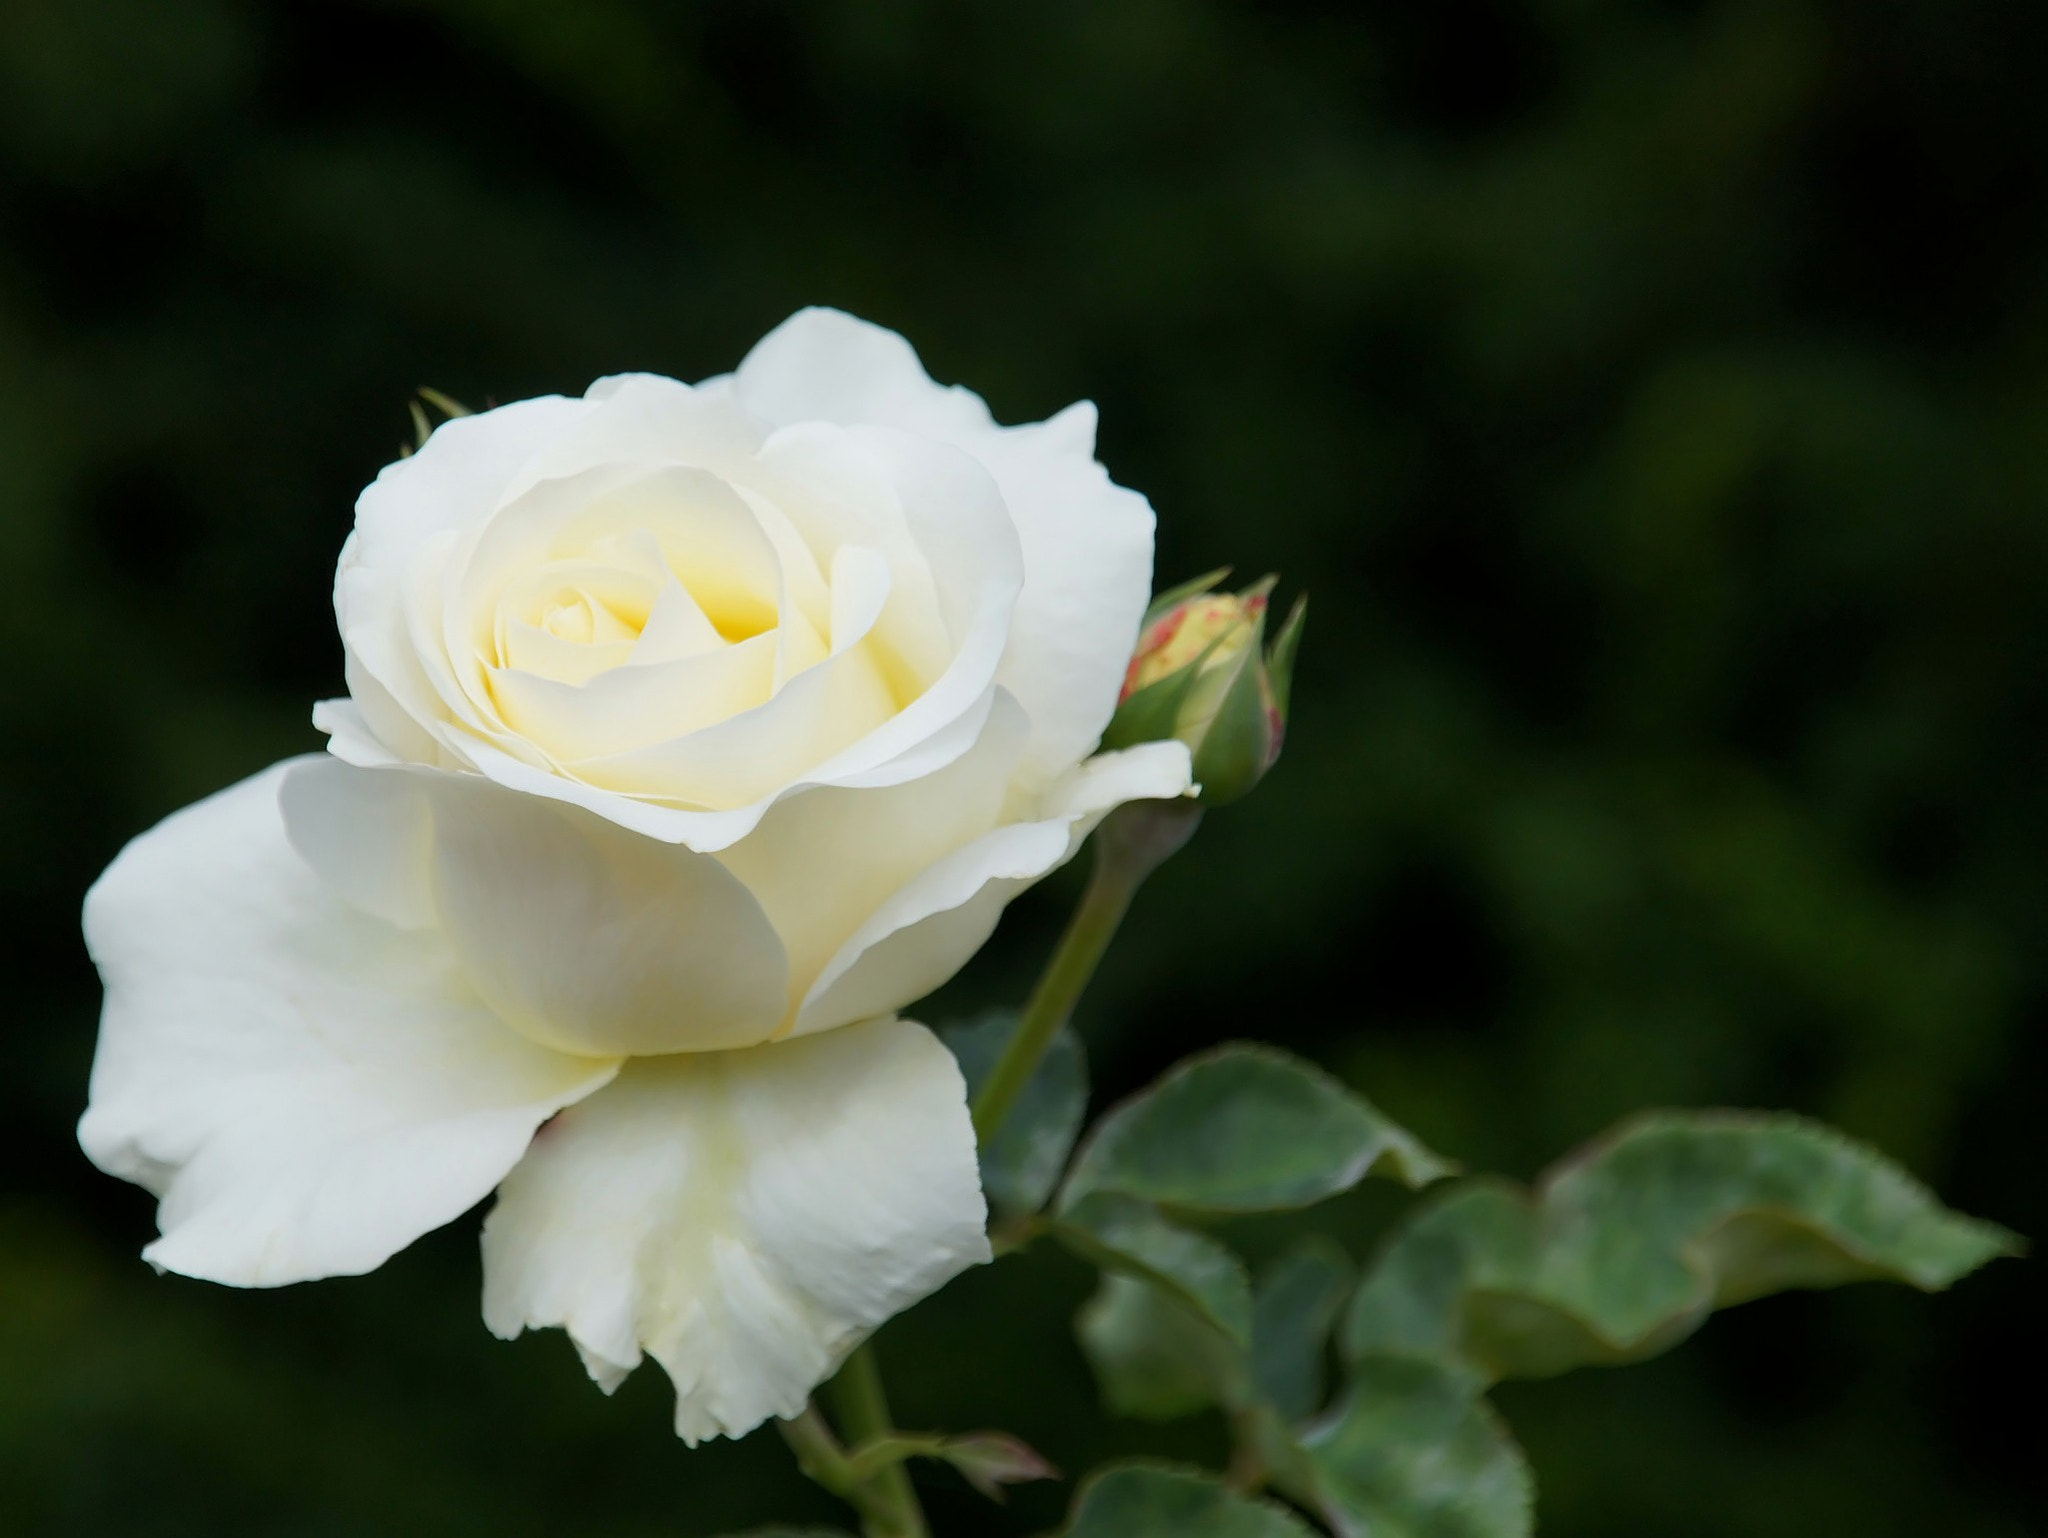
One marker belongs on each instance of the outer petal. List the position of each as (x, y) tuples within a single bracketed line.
[(932, 925), (307, 1088), (592, 939), (1087, 542), (823, 365), (930, 928), (823, 861), (367, 833), (461, 474), (352, 739), (453, 483), (1152, 771), (646, 419), (1087, 578), (745, 1218)]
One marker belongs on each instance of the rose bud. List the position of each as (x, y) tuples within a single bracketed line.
[(1203, 673)]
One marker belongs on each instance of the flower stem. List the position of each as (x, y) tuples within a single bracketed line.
[(1248, 1472), (1133, 841), (888, 1501), (818, 1452)]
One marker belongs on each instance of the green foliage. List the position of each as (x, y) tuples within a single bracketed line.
[(1021, 1167), (1243, 1129), (1296, 1301), (1132, 1237), (1620, 1253), (1413, 1451), (1624, 1249), (1146, 1501), (1153, 1358)]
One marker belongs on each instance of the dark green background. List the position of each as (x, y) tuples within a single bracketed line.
[(1653, 396)]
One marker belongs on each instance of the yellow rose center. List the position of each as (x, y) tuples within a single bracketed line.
[(607, 624)]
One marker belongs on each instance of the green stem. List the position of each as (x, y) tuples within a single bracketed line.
[(1248, 1473), (890, 1505), (1132, 842), (818, 1453)]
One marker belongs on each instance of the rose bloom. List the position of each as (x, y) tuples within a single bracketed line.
[(692, 731)]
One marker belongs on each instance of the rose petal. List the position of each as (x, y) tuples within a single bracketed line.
[(824, 860), (709, 831), (757, 754), (836, 490), (460, 474), (644, 419), (1087, 578), (745, 1218), (349, 736), (366, 833), (452, 484), (391, 690), (592, 939), (641, 705), (1087, 542), (823, 365), (1152, 771), (929, 928), (307, 1088), (839, 719), (956, 517)]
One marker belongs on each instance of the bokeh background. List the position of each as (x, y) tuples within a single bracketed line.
[(1653, 395)]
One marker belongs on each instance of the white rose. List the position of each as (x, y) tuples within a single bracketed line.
[(692, 732)]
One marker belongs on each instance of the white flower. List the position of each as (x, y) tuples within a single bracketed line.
[(692, 732)]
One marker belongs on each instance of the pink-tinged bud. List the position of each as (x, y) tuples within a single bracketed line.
[(1203, 674), (1210, 630)]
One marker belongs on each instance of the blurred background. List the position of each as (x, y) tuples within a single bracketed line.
[(1654, 397)]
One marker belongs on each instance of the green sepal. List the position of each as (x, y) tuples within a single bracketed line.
[(1624, 1249), (1149, 1500), (1281, 654), (1157, 711), (422, 425), (1020, 1168), (1152, 714), (1236, 748), (1412, 1450), (1122, 1234), (1244, 1128), (1194, 587), (446, 404)]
